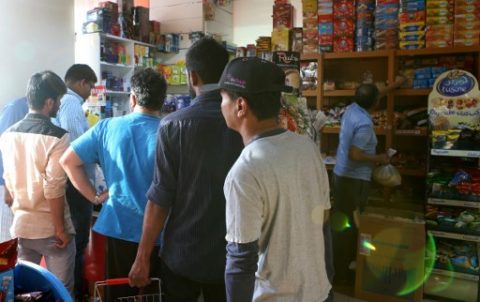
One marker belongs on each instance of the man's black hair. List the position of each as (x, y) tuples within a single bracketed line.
[(150, 88), (42, 86), (264, 105), (208, 59), (78, 72), (366, 96)]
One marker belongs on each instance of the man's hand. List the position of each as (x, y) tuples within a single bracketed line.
[(383, 159), (139, 275), (101, 198), (63, 239)]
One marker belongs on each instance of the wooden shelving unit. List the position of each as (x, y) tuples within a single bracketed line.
[(345, 92)]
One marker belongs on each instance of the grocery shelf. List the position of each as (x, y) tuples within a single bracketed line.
[(116, 65), (453, 202), (412, 172), (454, 236), (344, 92), (310, 56), (412, 92), (117, 92), (455, 274), (120, 39), (437, 51), (455, 153), (310, 92), (411, 132), (357, 55)]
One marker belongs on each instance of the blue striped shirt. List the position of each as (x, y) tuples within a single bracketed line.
[(70, 116)]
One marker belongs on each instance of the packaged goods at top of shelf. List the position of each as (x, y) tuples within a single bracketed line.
[(169, 43), (440, 19), (343, 26), (264, 44), (386, 24), (453, 219), (143, 56), (141, 23), (310, 30), (325, 26), (283, 15), (364, 25), (296, 39), (174, 74), (412, 24), (467, 24), (280, 39), (112, 82)]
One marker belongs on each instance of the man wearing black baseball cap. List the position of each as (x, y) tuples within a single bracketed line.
[(276, 194)]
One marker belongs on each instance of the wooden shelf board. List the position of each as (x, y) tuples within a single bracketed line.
[(356, 55), (438, 51), (115, 65), (412, 132), (120, 39), (345, 92), (310, 92), (421, 92), (457, 236), (412, 172), (310, 56), (453, 202)]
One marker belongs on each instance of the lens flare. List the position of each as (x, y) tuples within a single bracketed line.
[(369, 246), (340, 222)]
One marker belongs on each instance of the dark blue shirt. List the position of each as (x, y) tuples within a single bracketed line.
[(11, 113), (195, 151)]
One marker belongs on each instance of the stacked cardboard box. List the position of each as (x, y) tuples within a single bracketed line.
[(310, 30), (412, 24), (440, 19), (364, 25), (386, 24), (467, 23), (343, 25), (325, 25)]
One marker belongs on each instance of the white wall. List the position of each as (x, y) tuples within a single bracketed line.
[(35, 35), (253, 18)]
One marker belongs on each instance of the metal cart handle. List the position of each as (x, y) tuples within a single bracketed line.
[(116, 281)]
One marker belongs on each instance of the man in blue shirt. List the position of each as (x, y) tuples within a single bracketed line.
[(13, 112), (356, 157), (195, 151), (125, 149), (80, 79)]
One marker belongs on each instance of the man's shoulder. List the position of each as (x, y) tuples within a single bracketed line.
[(38, 126)]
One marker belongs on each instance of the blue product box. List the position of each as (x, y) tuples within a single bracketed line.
[(7, 289), (325, 28), (419, 84)]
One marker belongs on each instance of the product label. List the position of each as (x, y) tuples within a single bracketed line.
[(456, 83)]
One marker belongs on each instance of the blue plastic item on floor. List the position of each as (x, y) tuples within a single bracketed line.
[(29, 277)]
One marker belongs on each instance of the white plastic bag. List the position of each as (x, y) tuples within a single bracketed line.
[(387, 175)]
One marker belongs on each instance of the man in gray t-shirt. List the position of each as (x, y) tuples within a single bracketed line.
[(277, 194)]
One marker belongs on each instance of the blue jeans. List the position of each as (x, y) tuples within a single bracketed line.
[(60, 262), (81, 213)]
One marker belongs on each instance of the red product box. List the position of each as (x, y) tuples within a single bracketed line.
[(343, 44), (282, 16), (438, 43), (467, 42), (383, 2), (467, 9), (325, 19), (472, 25), (344, 8), (466, 34), (310, 23), (466, 18), (325, 39), (411, 17), (343, 27)]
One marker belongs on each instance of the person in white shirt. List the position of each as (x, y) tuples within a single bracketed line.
[(277, 194)]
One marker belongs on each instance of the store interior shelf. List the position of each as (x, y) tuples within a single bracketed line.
[(453, 202), (438, 51), (116, 65), (411, 132), (309, 92), (412, 172), (456, 153), (453, 270), (412, 92), (457, 236), (357, 55), (310, 56), (120, 39), (117, 92), (345, 92), (459, 275)]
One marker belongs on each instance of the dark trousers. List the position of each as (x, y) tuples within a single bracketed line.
[(349, 194), (181, 289), (327, 235), (81, 213), (119, 258)]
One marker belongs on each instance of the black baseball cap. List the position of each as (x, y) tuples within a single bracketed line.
[(253, 75)]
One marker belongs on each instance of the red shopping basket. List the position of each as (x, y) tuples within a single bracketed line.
[(153, 293)]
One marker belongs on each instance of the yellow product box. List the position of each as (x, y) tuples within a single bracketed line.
[(440, 20), (466, 34), (309, 7), (439, 4), (467, 42), (280, 40)]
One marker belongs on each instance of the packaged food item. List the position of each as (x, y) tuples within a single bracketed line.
[(412, 36), (466, 42), (412, 26), (343, 44), (439, 3), (471, 25), (440, 20), (344, 8), (466, 34)]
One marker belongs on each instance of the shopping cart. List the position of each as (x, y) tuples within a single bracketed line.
[(152, 293)]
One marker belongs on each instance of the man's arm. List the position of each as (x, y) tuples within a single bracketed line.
[(57, 208), (240, 271), (358, 154), (75, 169), (398, 82), (153, 224)]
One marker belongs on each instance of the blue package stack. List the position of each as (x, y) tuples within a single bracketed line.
[(425, 76), (364, 25), (412, 24), (386, 24)]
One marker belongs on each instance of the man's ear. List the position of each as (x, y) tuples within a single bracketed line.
[(193, 78), (49, 104), (241, 107), (133, 101)]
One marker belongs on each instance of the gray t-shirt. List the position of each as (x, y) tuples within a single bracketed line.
[(276, 193)]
